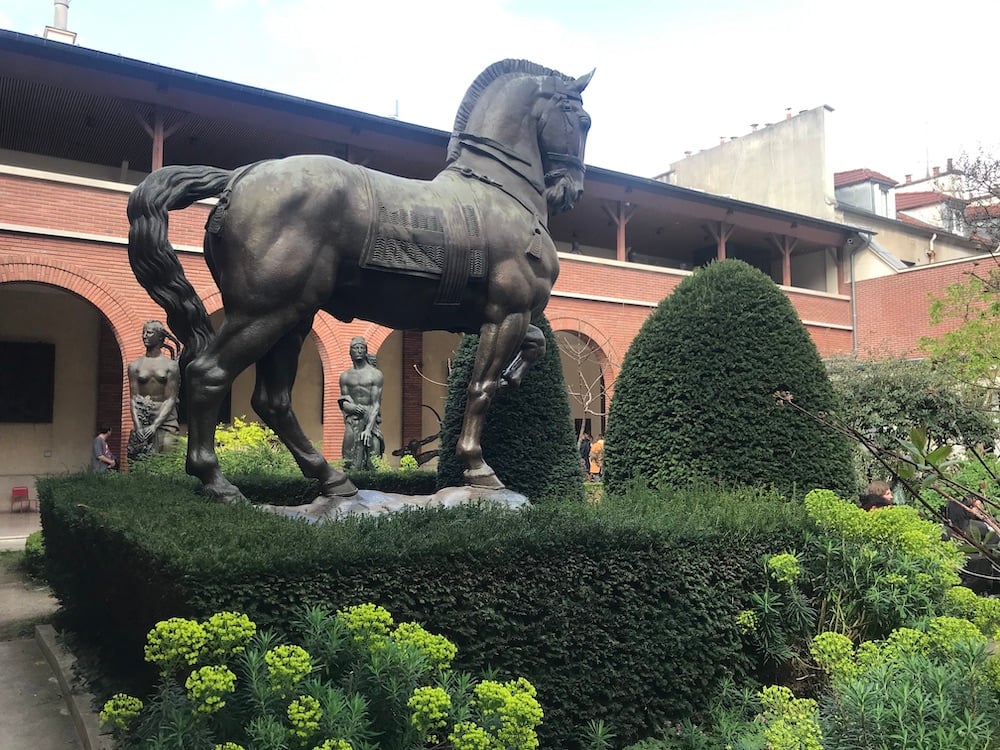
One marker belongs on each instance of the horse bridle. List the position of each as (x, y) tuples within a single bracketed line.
[(510, 159)]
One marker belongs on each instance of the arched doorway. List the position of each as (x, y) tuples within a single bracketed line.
[(584, 363), (62, 376)]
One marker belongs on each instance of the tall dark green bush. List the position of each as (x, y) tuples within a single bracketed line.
[(694, 399), (528, 437)]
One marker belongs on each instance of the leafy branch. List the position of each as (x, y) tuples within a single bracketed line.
[(918, 465)]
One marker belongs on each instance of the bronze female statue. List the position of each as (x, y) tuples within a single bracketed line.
[(154, 380), (468, 251)]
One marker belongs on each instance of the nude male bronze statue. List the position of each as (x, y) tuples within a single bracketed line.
[(468, 251), (361, 402)]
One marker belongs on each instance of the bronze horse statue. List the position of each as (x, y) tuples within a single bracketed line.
[(468, 251)]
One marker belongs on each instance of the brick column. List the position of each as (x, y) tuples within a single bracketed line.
[(110, 390), (412, 385)]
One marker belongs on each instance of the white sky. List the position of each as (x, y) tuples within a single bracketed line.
[(672, 75)]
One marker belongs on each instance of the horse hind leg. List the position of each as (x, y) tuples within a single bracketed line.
[(272, 400), (205, 386), (239, 342), (497, 345)]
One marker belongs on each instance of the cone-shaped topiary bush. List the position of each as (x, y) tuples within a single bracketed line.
[(694, 398), (528, 436)]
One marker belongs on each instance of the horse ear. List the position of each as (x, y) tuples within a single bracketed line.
[(581, 83)]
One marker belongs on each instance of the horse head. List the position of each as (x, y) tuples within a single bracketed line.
[(562, 137), (544, 149)]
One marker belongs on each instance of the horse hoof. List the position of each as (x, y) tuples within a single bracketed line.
[(228, 496), (343, 487), (484, 477)]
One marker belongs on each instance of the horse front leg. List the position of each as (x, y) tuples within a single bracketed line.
[(532, 349), (497, 344), (272, 400)]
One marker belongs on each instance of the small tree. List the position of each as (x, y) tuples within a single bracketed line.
[(884, 400), (586, 361), (695, 397), (969, 353), (528, 436)]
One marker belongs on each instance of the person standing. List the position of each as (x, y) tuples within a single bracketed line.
[(597, 458), (101, 458), (361, 402), (585, 453), (878, 495)]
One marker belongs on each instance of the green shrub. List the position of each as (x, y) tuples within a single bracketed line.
[(528, 434), (914, 689), (355, 682), (623, 611), (34, 556), (885, 399), (860, 574), (242, 447), (971, 475), (694, 399)]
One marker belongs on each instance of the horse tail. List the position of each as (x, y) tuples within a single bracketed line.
[(154, 260)]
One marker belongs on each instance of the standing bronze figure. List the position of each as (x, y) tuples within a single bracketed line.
[(468, 251), (361, 403), (153, 382)]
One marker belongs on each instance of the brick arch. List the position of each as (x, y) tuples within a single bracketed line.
[(93, 289), (44, 270), (376, 335), (594, 335)]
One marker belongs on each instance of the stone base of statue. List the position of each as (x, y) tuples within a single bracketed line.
[(375, 503)]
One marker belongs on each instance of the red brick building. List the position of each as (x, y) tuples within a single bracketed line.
[(79, 128)]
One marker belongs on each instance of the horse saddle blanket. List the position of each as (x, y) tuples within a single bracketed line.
[(422, 229)]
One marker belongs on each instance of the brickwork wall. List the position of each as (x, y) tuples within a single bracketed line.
[(827, 317), (110, 383), (413, 386), (893, 310)]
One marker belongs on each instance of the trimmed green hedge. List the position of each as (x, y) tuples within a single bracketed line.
[(623, 612), (695, 396)]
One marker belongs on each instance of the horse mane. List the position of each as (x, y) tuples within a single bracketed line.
[(495, 71)]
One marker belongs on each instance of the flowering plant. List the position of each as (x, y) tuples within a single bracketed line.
[(228, 686)]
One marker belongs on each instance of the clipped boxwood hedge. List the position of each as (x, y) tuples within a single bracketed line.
[(623, 612), (695, 396)]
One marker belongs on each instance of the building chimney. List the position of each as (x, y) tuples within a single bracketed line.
[(753, 127), (951, 165), (909, 179), (937, 171), (687, 154), (722, 139), (788, 113), (59, 30), (62, 15)]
